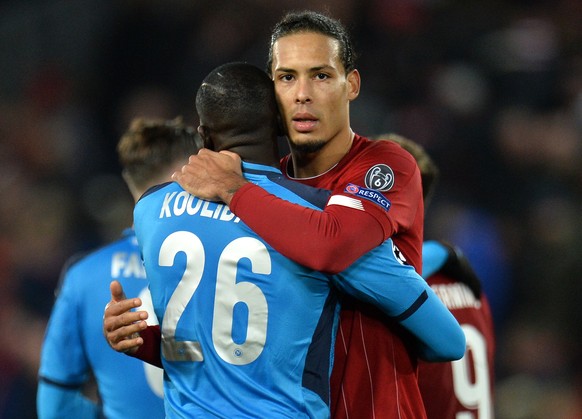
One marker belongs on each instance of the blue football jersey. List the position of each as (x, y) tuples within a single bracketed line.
[(245, 331), (74, 346)]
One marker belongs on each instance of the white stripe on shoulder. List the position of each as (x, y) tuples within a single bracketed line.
[(346, 201)]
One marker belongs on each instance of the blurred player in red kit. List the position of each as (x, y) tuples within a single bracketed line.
[(462, 388)]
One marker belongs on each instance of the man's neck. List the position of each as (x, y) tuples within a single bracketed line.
[(306, 165)]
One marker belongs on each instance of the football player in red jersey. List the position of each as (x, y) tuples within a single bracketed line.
[(375, 194), (465, 386)]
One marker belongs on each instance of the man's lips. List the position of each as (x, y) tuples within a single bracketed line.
[(304, 123)]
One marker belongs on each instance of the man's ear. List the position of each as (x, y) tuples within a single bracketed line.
[(354, 83), (205, 135)]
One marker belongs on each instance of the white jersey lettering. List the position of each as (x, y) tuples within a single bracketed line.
[(456, 296), (178, 204), (126, 265)]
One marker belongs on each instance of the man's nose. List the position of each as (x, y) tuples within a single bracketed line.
[(303, 94)]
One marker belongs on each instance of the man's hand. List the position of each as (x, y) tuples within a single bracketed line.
[(212, 176), (121, 326)]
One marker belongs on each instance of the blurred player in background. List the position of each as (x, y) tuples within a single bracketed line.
[(74, 350), (463, 388)]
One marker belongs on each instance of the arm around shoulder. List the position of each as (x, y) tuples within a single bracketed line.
[(327, 241)]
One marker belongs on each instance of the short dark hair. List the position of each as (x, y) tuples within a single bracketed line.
[(310, 21), (236, 96), (151, 145)]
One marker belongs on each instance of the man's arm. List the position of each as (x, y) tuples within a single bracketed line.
[(54, 402), (440, 335), (309, 237), (126, 331), (380, 279), (121, 326), (63, 362)]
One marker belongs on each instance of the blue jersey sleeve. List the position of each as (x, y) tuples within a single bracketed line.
[(56, 402), (64, 366), (381, 279), (62, 358), (434, 256), (440, 335)]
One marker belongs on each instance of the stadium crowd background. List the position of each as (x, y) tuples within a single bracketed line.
[(492, 89)]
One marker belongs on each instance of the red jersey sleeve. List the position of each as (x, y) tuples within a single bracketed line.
[(150, 351), (385, 181), (327, 241)]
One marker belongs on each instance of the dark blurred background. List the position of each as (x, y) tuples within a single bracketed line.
[(492, 89)]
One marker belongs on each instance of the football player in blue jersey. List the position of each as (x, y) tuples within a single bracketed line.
[(74, 349), (245, 332)]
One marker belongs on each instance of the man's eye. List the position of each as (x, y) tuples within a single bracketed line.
[(321, 76), (287, 77)]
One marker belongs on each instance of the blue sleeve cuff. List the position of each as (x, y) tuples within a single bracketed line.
[(56, 402)]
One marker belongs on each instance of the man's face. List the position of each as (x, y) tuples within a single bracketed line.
[(312, 89)]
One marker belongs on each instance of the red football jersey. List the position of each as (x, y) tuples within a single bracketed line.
[(386, 167), (466, 385), (374, 374)]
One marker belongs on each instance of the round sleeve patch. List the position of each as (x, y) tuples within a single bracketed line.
[(380, 177)]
